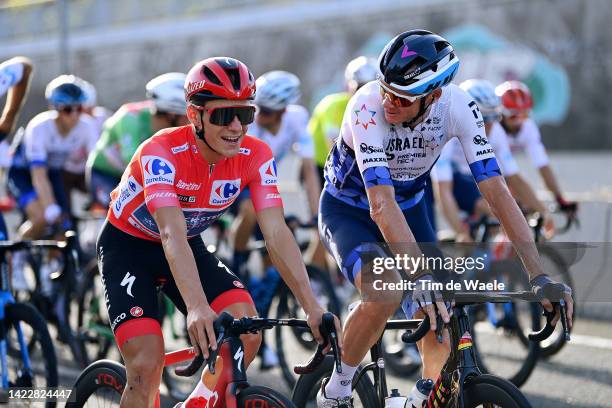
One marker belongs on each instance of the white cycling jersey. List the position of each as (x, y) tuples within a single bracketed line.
[(44, 145), (372, 152), (292, 134), (10, 74), (452, 159), (529, 139)]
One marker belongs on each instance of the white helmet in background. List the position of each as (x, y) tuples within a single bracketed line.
[(91, 96), (168, 93), (484, 95), (360, 71), (277, 89)]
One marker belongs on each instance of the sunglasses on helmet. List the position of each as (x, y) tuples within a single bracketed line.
[(68, 109), (399, 101), (224, 115)]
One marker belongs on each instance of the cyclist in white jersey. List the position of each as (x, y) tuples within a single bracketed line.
[(524, 134), (53, 140), (91, 107), (453, 182), (392, 134), (283, 125), (15, 76)]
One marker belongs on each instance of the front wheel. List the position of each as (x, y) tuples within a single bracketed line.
[(258, 396), (101, 384), (487, 390)]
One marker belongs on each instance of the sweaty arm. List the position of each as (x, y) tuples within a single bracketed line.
[(16, 93)]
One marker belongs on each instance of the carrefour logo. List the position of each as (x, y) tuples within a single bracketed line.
[(223, 191), (157, 170), (127, 192), (268, 174)]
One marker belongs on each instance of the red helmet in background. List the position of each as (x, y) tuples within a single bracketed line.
[(218, 78), (515, 97)]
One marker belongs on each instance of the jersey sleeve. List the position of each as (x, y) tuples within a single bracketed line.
[(11, 73), (501, 147), (534, 146), (263, 178), (158, 174), (35, 146), (443, 169), (128, 135), (360, 124), (467, 125), (303, 138)]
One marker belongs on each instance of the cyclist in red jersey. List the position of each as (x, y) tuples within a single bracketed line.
[(177, 183)]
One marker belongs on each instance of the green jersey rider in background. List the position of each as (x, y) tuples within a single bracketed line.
[(324, 125), (132, 124)]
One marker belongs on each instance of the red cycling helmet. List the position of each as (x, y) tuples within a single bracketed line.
[(515, 96), (219, 78)]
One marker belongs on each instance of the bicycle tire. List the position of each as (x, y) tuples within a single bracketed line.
[(26, 313), (307, 386), (556, 342), (259, 396), (529, 362), (282, 310), (106, 375), (488, 389)]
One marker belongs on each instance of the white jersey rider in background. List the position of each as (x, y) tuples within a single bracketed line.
[(392, 134), (523, 134), (283, 126), (15, 76), (90, 105), (53, 141), (454, 186)]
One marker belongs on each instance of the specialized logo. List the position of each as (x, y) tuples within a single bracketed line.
[(268, 174), (157, 170), (194, 86), (480, 140), (136, 311), (127, 192), (181, 148), (188, 186), (128, 280), (238, 357), (365, 117), (223, 191)]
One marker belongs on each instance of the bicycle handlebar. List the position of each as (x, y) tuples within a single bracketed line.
[(226, 326)]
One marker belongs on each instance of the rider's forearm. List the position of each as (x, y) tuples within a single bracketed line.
[(286, 256), (524, 194), (506, 209), (550, 180), (450, 208), (16, 97), (183, 268), (42, 186), (312, 185)]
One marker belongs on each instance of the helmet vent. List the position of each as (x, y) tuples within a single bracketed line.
[(234, 76), (211, 76)]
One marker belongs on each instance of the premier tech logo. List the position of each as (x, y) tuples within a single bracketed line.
[(224, 191)]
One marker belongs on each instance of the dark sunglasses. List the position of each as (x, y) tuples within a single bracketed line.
[(399, 101), (224, 115), (68, 109)]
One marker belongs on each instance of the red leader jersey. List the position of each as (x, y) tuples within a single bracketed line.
[(168, 170)]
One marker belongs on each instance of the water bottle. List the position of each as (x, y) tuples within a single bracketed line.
[(420, 393), (395, 400)]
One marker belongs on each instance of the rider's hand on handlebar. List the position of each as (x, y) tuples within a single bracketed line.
[(425, 298), (200, 321), (540, 284), (548, 226), (314, 319)]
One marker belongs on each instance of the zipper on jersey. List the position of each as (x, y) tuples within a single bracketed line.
[(211, 167)]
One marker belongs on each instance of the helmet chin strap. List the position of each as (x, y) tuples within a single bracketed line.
[(422, 110), (200, 134)]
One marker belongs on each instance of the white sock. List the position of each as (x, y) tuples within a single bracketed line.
[(339, 385)]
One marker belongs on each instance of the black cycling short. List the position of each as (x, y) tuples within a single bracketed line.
[(133, 269)]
